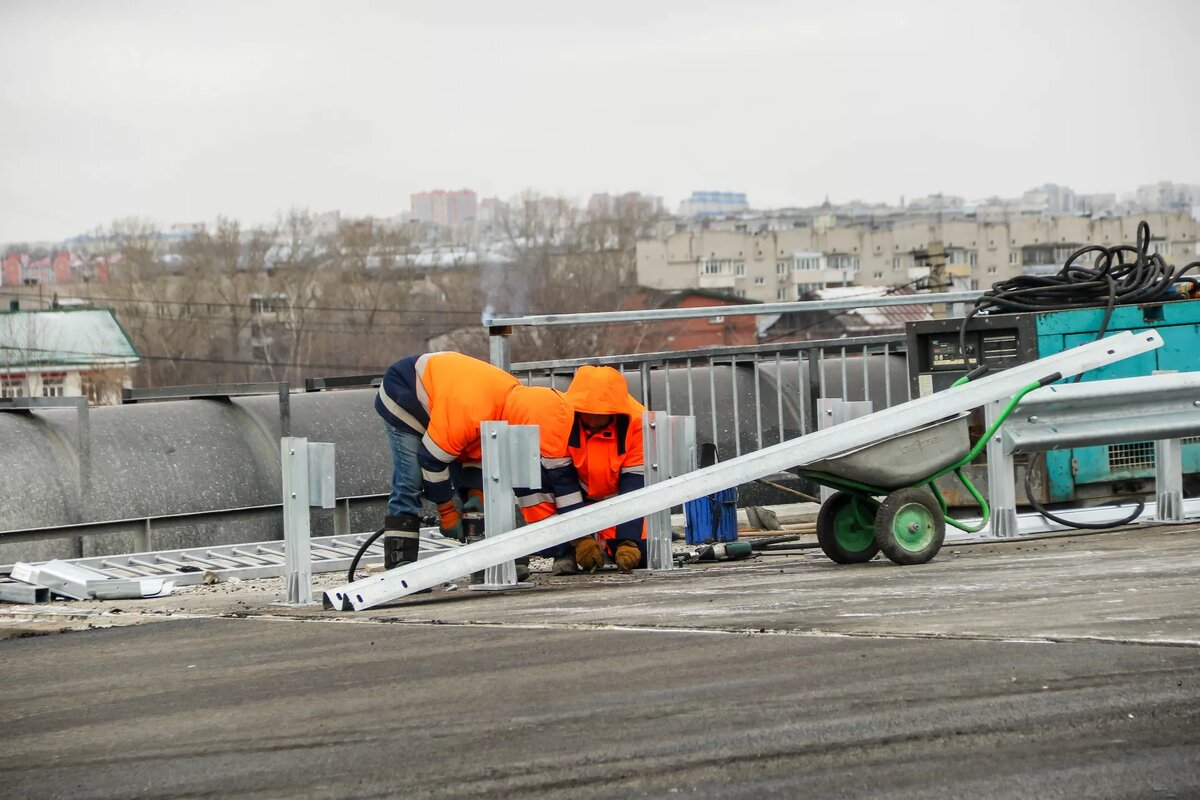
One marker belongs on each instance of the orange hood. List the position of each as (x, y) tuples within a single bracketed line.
[(602, 390), (549, 409)]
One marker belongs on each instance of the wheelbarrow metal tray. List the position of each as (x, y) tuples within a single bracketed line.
[(902, 460)]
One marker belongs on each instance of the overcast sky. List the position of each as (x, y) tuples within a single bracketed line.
[(180, 111)]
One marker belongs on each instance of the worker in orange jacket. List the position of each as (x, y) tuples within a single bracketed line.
[(432, 406), (606, 448)]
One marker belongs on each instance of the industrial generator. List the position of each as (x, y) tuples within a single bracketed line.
[(1088, 474)]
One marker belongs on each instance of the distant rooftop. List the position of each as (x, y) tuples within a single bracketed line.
[(77, 337)]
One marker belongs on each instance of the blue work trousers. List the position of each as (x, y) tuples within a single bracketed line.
[(406, 472)]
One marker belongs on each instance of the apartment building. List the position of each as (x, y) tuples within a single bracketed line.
[(444, 208), (707, 202), (769, 263)]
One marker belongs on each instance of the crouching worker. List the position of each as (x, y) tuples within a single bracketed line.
[(432, 406), (606, 449)]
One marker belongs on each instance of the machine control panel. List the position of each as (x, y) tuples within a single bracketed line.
[(937, 359)]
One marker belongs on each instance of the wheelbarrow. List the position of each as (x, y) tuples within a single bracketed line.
[(886, 498)]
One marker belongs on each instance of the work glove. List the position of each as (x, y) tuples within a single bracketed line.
[(450, 522), (587, 554), (474, 501), (628, 556)]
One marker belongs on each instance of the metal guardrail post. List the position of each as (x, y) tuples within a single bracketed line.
[(308, 479), (656, 448), (293, 452), (812, 391), (1168, 480), (1002, 481), (669, 447), (499, 346), (510, 458), (683, 459)]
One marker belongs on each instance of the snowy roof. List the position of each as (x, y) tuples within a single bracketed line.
[(884, 317), (61, 338)]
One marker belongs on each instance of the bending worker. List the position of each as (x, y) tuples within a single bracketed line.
[(606, 449), (432, 406)]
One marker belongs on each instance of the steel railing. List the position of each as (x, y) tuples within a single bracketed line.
[(786, 380)]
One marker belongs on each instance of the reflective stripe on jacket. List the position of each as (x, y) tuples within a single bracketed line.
[(443, 397)]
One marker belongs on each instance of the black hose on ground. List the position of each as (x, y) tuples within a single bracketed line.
[(358, 556), (1092, 526)]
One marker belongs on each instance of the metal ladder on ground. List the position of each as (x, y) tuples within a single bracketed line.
[(251, 560)]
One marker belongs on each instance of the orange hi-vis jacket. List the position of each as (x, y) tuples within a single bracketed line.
[(443, 397), (609, 461)]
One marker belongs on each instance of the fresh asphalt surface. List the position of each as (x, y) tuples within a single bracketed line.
[(550, 699)]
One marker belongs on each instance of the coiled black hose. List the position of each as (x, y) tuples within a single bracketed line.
[(1120, 275)]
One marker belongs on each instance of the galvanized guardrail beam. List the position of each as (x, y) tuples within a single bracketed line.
[(1162, 408), (1098, 412)]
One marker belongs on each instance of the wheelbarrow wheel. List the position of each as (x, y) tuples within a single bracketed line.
[(846, 528), (910, 527)]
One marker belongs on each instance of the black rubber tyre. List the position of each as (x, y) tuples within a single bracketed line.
[(846, 528), (910, 526)]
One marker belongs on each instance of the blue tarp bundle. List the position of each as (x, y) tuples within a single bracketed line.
[(712, 518)]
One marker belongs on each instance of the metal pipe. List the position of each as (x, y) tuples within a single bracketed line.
[(712, 398), (757, 406), (845, 386), (779, 392), (755, 309), (866, 381), (887, 375), (667, 383), (691, 402), (737, 427), (620, 361)]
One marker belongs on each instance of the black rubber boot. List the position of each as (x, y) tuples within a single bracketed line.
[(401, 540)]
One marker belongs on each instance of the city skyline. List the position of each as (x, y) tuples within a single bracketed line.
[(185, 111)]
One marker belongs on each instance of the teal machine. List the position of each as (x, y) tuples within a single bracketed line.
[(1091, 474)]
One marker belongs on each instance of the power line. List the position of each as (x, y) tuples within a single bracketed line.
[(187, 303), (191, 360), (334, 327), (346, 326)]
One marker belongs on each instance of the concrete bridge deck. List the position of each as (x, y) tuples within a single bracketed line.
[(1061, 667)]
